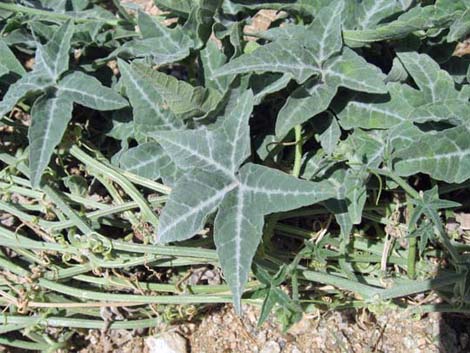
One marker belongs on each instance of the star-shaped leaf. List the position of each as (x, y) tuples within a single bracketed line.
[(57, 91), (319, 41), (429, 205), (346, 70), (243, 196), (163, 45), (321, 63), (275, 294)]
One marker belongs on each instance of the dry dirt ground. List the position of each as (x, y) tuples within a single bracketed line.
[(349, 331)]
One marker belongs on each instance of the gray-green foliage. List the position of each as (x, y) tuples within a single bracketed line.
[(369, 87), (320, 59), (214, 180), (56, 89)]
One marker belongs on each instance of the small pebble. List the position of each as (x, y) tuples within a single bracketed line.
[(168, 342), (271, 347)]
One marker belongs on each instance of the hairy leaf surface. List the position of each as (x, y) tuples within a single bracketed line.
[(50, 117), (89, 92), (183, 99), (53, 58), (8, 60), (444, 155), (147, 102), (212, 158), (150, 161)]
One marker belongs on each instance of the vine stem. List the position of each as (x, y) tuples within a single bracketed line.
[(415, 195), (298, 151), (412, 242), (119, 179), (273, 219), (53, 15)]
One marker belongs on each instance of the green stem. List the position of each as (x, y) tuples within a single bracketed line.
[(415, 287), (412, 242), (118, 178), (78, 323), (32, 346), (415, 195), (131, 217), (402, 183), (298, 151), (114, 281)]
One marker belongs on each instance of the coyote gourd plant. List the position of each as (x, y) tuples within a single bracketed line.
[(366, 90)]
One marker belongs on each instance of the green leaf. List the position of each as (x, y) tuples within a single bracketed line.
[(321, 40), (3, 70), (417, 19), (315, 165), (290, 58), (266, 84), (303, 7), (325, 32), (338, 204), (239, 222), (53, 58), (455, 111), (212, 158), (163, 45), (8, 60), (351, 195), (347, 70), (147, 103), (150, 161), (369, 13), (444, 155), (363, 149), (201, 19), (397, 72), (161, 51), (180, 7), (50, 117), (89, 92), (274, 191), (403, 135), (352, 71), (196, 195), (220, 149), (379, 112), (183, 99), (212, 58), (436, 84), (428, 205), (460, 28), (33, 82), (329, 138)]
